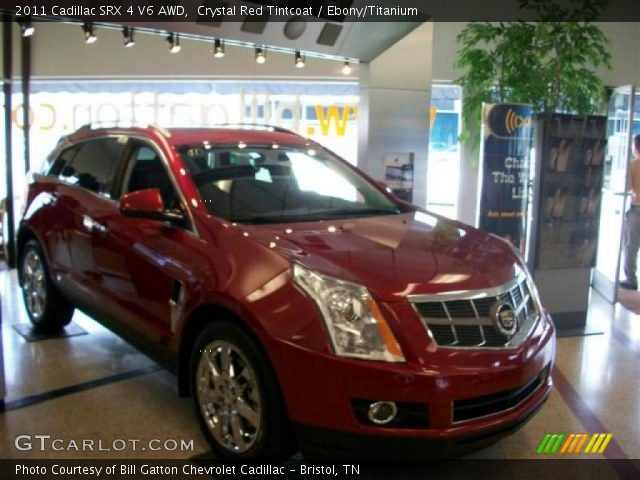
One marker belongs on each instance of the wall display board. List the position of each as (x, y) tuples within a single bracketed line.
[(504, 178), (398, 174)]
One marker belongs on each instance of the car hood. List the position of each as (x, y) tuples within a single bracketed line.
[(395, 255)]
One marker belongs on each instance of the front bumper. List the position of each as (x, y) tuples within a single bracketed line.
[(320, 442), (320, 390)]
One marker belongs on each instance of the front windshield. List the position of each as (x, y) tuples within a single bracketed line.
[(271, 184)]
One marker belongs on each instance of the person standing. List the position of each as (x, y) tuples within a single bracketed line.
[(632, 222)]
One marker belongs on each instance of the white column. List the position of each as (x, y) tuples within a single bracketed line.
[(395, 99)]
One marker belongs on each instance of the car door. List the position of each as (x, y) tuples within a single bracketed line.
[(83, 194), (57, 217), (145, 265)]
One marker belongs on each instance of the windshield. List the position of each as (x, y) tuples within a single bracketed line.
[(271, 184)]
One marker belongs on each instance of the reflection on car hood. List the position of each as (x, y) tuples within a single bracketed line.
[(395, 255)]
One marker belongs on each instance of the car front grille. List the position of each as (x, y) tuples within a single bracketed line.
[(464, 319), (478, 407)]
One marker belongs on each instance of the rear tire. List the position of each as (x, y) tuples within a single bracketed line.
[(48, 310), (237, 397)]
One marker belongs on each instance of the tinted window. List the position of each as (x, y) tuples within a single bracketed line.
[(62, 161), (149, 172), (94, 165)]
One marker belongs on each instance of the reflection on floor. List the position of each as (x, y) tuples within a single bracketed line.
[(597, 390)]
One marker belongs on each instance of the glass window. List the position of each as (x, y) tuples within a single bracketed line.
[(94, 165), (443, 170), (62, 161), (287, 184), (149, 172)]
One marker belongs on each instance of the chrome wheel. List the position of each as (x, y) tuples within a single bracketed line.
[(34, 284), (228, 396)]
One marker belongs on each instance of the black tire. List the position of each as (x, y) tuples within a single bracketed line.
[(273, 440), (56, 311)]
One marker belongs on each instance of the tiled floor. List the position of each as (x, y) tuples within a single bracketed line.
[(597, 390)]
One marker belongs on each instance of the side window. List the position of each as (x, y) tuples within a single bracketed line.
[(94, 165), (148, 171), (64, 159)]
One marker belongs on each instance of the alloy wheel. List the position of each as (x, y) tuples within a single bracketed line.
[(34, 284), (228, 396)]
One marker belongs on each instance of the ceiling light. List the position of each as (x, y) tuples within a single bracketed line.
[(174, 43), (127, 33), (261, 55), (218, 48), (299, 59), (89, 32), (346, 68), (26, 28)]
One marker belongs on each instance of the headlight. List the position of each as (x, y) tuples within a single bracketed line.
[(354, 321)]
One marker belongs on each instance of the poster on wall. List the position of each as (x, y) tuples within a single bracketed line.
[(398, 174), (504, 171)]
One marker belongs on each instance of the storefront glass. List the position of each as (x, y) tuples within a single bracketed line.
[(443, 174), (325, 112)]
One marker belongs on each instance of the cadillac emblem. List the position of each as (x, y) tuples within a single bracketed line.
[(504, 318)]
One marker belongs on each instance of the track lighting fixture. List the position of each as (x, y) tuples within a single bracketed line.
[(127, 33), (174, 42), (300, 60), (218, 48), (346, 68), (261, 55), (89, 32), (26, 28)]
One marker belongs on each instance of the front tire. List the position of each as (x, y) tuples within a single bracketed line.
[(237, 397), (48, 310)]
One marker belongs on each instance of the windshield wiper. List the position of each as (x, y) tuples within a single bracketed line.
[(355, 212), (256, 219), (313, 216)]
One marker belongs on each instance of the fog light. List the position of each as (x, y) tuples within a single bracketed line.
[(382, 413)]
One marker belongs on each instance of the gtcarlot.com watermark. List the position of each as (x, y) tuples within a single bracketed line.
[(43, 443)]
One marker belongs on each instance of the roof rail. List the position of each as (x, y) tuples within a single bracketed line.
[(112, 124), (255, 126)]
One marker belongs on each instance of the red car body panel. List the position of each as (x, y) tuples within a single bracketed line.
[(128, 270)]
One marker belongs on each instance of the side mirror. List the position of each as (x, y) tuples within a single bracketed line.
[(148, 204)]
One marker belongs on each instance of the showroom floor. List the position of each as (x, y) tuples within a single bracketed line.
[(95, 385)]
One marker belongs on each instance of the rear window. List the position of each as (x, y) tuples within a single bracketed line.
[(94, 164), (64, 159)]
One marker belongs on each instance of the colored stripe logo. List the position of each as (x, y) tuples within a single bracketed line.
[(574, 443)]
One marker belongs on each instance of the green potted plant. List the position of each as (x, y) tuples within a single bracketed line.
[(549, 64)]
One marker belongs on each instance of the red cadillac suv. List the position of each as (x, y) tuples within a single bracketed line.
[(299, 303)]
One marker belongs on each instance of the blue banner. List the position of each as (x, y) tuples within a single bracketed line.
[(504, 175)]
